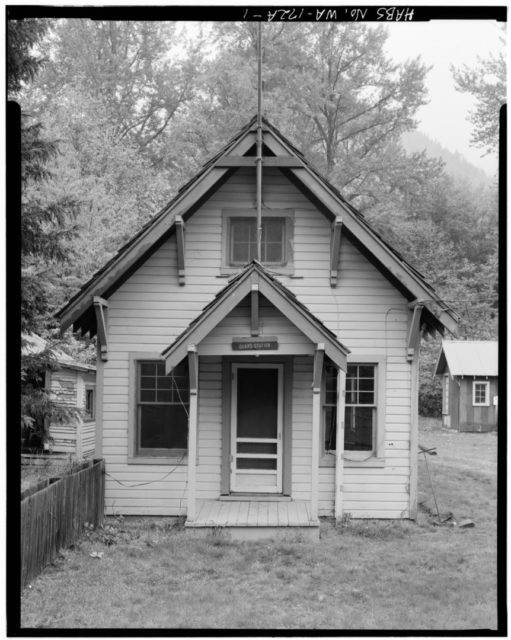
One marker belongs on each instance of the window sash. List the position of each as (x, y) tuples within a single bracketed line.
[(156, 394), (243, 246), (354, 408)]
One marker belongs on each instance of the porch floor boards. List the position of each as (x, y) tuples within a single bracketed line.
[(253, 513)]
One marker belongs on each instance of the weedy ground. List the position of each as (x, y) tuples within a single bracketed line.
[(374, 574)]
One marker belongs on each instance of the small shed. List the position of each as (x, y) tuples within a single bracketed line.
[(72, 384), (469, 370)]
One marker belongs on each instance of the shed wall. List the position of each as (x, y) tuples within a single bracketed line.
[(476, 418)]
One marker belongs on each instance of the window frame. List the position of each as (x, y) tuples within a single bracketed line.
[(90, 417), (146, 456), (287, 215), (375, 457), (486, 384)]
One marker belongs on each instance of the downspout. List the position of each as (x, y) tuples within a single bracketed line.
[(259, 145)]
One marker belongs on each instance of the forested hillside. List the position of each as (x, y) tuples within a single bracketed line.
[(455, 164), (132, 109)]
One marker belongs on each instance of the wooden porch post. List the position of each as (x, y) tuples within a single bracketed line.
[(193, 368), (316, 423), (339, 446)]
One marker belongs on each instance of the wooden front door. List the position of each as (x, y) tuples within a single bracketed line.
[(256, 423)]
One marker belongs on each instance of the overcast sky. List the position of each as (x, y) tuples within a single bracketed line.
[(441, 43)]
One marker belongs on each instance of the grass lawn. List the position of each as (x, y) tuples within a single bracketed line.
[(364, 575)]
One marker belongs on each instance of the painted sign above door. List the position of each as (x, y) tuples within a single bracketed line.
[(255, 344)]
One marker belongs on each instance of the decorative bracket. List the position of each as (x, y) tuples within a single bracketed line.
[(193, 369), (180, 241), (414, 333), (101, 310), (335, 250), (319, 356)]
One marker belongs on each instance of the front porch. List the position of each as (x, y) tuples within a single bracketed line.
[(249, 517)]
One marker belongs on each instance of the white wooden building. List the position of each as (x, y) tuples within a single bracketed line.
[(72, 384), (258, 394)]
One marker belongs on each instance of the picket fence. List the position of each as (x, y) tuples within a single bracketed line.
[(53, 518)]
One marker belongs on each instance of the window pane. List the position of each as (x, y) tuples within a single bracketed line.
[(358, 432), (366, 384), (366, 371), (330, 428), (147, 395), (147, 382), (365, 397), (164, 382), (242, 230), (273, 230), (164, 396), (163, 427), (351, 397), (241, 252), (271, 252), (352, 371), (243, 240), (147, 368), (256, 463)]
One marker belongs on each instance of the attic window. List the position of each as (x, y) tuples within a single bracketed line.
[(240, 239), (243, 241)]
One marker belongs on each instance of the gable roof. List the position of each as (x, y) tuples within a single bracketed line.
[(231, 296), (468, 358), (79, 310)]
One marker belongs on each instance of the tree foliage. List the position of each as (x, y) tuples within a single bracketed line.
[(131, 70), (137, 109), (487, 84), (46, 231), (22, 63)]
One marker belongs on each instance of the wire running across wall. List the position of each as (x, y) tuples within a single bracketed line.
[(176, 464)]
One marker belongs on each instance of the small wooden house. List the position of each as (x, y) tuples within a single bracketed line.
[(258, 394), (469, 370), (72, 384)]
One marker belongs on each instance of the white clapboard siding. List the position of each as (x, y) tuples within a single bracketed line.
[(272, 323), (301, 426), (209, 439), (150, 309)]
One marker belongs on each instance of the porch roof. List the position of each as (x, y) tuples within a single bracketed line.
[(231, 296)]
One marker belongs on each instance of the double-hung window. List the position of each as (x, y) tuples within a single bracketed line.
[(162, 403), (362, 409), (480, 393)]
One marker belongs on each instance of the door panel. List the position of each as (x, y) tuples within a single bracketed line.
[(256, 438)]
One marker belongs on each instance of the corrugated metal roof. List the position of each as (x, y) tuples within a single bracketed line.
[(469, 357)]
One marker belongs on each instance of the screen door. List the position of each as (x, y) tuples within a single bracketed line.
[(256, 420)]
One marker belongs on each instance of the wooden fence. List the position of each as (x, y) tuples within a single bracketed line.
[(53, 518)]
